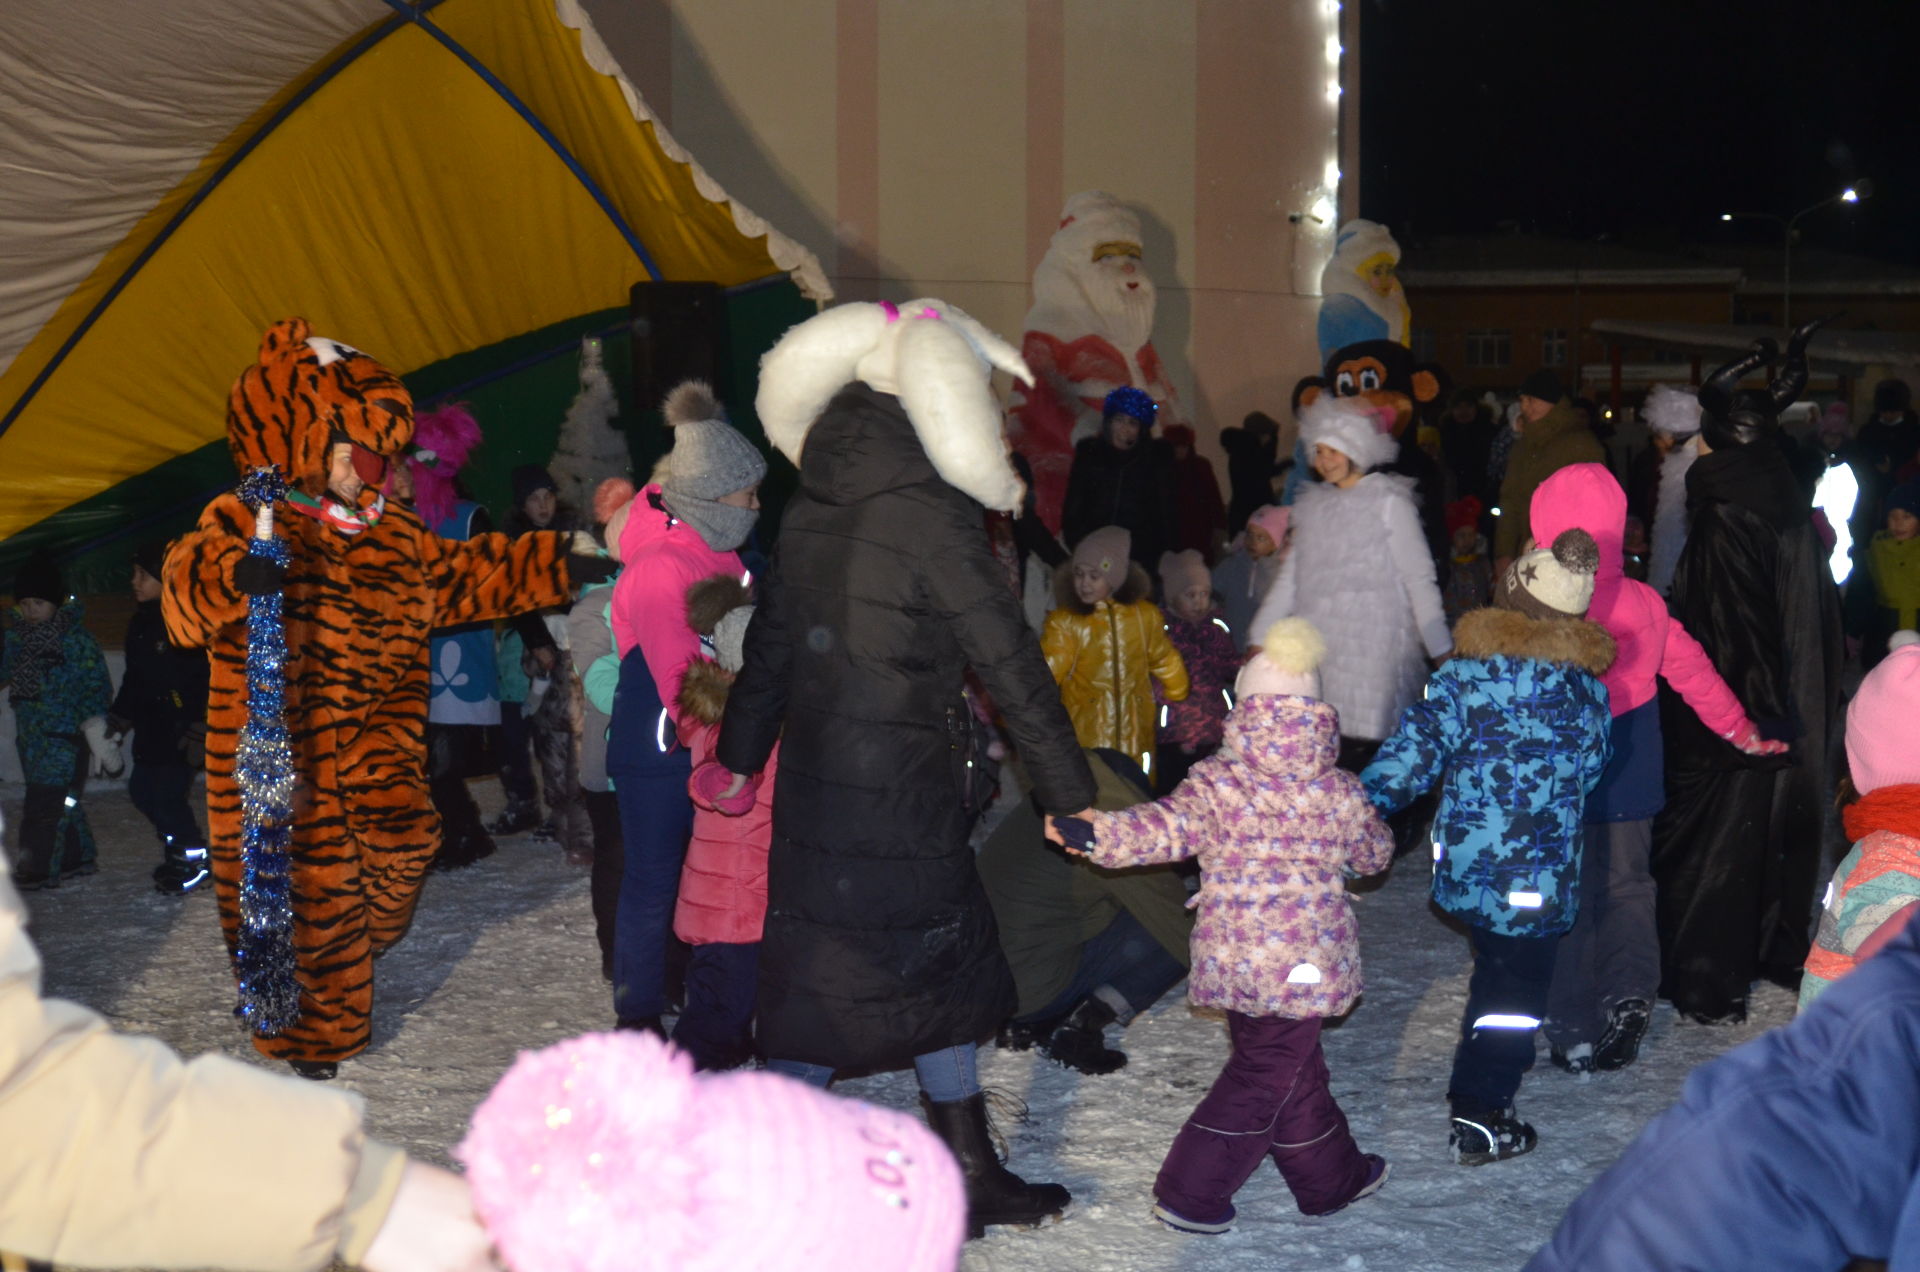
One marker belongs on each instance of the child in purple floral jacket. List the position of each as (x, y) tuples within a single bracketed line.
[(1277, 827), (1191, 729)]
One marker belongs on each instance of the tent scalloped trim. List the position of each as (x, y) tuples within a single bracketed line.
[(802, 265)]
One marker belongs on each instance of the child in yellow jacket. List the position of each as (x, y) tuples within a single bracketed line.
[(1107, 643)]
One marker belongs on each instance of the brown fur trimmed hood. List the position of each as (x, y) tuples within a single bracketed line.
[(703, 691), (1138, 587), (1487, 633), (709, 600)]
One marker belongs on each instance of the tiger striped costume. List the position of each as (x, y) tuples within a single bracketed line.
[(357, 610)]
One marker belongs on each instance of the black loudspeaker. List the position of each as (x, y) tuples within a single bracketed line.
[(679, 333)]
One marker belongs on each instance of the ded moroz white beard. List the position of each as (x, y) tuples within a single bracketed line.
[(1121, 314)]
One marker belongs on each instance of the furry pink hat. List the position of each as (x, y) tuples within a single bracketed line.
[(606, 1153), (1273, 519), (1288, 662), (1880, 747), (442, 441)]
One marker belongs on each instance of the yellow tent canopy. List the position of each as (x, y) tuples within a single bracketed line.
[(418, 179)]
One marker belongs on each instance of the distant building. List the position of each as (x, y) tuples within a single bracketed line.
[(1614, 320)]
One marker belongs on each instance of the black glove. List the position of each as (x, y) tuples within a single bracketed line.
[(582, 570), (257, 576), (1077, 831)]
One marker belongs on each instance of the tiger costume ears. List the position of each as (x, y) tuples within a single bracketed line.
[(301, 390)]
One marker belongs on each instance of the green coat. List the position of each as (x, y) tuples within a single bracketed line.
[(1048, 907), (1557, 439)]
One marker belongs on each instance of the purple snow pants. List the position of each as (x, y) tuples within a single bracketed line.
[(1271, 1100)]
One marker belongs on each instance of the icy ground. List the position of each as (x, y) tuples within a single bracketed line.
[(502, 957)]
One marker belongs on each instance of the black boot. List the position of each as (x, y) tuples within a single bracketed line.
[(315, 1070), (1079, 1041), (1619, 1044), (995, 1195)]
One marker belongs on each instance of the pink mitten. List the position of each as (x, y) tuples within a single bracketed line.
[(708, 787), (1747, 737)]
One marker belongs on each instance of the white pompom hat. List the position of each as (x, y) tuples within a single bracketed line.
[(1288, 662)]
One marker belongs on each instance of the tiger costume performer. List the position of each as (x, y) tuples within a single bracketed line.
[(358, 604)]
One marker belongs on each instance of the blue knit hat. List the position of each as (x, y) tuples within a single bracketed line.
[(1129, 401)]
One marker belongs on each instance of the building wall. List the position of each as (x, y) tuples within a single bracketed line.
[(925, 147), (1529, 312)]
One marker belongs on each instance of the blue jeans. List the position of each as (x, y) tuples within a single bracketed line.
[(656, 817), (947, 1076), (1125, 956)]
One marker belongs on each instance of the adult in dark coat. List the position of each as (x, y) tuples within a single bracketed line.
[(1124, 477), (1466, 439), (1737, 849), (1199, 517), (880, 944), (1252, 451)]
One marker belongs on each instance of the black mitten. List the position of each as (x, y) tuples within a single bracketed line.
[(257, 576), (582, 570), (1077, 831)]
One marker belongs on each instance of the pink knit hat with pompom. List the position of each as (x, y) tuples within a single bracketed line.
[(1880, 742), (606, 1153)]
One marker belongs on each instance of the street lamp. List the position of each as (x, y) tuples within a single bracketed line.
[(1852, 194)]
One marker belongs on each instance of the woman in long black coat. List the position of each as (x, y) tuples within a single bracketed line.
[(1737, 849), (880, 944)]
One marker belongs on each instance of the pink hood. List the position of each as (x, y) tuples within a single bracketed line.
[(1651, 644), (662, 558)]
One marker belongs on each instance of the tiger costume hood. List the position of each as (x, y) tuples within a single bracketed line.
[(305, 390)]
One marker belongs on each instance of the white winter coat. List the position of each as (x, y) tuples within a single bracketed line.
[(1361, 573)]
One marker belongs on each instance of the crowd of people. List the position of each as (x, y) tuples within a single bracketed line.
[(853, 807)]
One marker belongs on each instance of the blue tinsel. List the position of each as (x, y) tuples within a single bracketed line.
[(263, 768)]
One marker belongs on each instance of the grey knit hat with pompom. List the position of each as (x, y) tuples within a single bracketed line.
[(709, 458), (1554, 582)]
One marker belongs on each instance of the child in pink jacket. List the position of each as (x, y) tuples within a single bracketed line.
[(1277, 828), (722, 907), (1607, 970)]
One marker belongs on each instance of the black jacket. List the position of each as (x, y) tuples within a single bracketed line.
[(1131, 488), (1737, 850), (164, 690), (879, 942), (1251, 458)]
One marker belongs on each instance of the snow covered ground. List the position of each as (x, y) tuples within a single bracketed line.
[(502, 957)]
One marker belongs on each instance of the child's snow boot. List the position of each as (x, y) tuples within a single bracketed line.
[(995, 1195), (1193, 1227), (183, 870), (1480, 1136), (1079, 1042), (1619, 1044)]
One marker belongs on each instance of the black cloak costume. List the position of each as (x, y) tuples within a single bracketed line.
[(1737, 849)]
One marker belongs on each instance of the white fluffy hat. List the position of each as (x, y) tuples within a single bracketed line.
[(1675, 412), (1352, 426), (934, 357), (1288, 662)]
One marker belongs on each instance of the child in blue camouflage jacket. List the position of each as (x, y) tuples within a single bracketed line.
[(1517, 720), (58, 683)]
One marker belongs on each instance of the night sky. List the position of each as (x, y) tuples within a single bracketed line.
[(1643, 121)]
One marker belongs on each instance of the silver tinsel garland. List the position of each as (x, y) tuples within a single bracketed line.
[(263, 768)]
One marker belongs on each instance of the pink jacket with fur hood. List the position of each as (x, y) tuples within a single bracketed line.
[(1650, 642), (662, 558), (1276, 827), (723, 885)]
